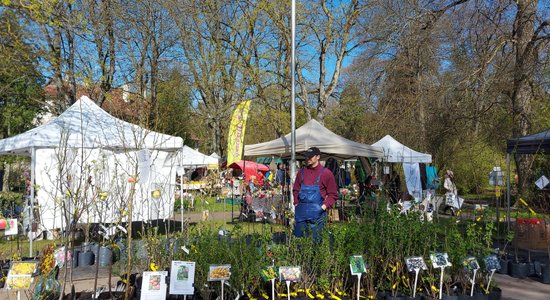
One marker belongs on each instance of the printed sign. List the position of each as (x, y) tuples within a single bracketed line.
[(153, 285), (415, 263), (470, 263), (357, 265), (440, 260), (269, 273), (182, 278), (542, 182), (491, 263), (290, 274), (20, 275), (12, 228), (219, 272)]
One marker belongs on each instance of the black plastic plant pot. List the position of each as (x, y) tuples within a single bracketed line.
[(449, 297), (465, 297), (504, 263), (495, 294), (481, 296), (519, 270), (86, 258), (105, 256), (545, 276), (76, 253), (389, 297)]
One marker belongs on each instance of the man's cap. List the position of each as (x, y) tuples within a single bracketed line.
[(311, 152)]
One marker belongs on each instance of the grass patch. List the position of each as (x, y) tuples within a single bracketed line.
[(13, 248)]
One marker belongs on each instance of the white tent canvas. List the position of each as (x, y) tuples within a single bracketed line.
[(82, 162), (192, 157), (314, 134), (396, 152)]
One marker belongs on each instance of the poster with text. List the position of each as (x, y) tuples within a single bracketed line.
[(153, 285), (182, 278)]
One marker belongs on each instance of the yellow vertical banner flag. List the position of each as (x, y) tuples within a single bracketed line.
[(237, 127)]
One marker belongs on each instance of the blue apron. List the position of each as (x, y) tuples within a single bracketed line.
[(309, 214)]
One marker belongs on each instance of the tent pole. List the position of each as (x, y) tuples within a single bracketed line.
[(31, 214), (293, 107), (508, 189)]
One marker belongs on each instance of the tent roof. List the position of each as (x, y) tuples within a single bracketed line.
[(86, 125), (314, 134), (394, 151), (192, 157), (530, 144)]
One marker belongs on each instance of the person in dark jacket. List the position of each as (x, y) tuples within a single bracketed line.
[(314, 191)]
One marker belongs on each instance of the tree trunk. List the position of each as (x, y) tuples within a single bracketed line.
[(526, 57), (5, 179)]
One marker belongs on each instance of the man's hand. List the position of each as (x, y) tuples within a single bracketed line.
[(324, 207)]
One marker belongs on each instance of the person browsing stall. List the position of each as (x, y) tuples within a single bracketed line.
[(314, 191)]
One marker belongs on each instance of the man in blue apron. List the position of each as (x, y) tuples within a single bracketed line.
[(314, 191)]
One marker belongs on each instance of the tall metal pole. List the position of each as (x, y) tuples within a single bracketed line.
[(292, 107), (31, 215), (508, 190)]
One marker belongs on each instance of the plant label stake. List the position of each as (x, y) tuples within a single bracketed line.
[(440, 260), (440, 283), (473, 283), (287, 289), (222, 283), (471, 265), (358, 285), (415, 264), (416, 271), (272, 288), (490, 277), (357, 267)]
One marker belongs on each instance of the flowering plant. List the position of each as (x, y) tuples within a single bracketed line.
[(345, 194)]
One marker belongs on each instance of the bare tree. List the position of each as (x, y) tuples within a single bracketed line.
[(531, 35)]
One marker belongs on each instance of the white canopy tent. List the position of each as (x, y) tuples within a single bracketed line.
[(312, 134), (395, 152), (193, 158), (85, 152)]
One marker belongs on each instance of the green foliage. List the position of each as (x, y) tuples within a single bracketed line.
[(9, 199), (471, 162), (20, 79), (174, 105)]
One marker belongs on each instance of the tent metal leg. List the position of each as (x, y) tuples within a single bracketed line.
[(508, 189)]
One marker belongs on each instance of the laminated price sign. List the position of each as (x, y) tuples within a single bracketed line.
[(357, 265), (20, 275), (182, 278), (219, 272), (153, 285), (269, 273)]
